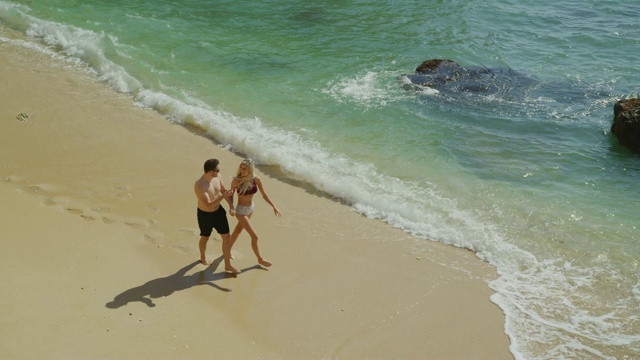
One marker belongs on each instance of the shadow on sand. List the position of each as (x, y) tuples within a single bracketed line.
[(166, 286)]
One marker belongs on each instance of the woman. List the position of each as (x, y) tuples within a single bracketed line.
[(247, 184)]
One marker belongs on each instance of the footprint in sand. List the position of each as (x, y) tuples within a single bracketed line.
[(49, 202), (136, 224), (13, 179), (155, 239), (181, 248), (74, 211), (107, 220), (122, 192), (191, 232), (77, 212), (23, 117)]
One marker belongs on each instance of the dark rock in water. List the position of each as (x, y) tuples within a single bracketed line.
[(626, 123), (448, 76), (431, 65), (436, 72)]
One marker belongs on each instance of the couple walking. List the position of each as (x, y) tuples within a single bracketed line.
[(210, 191)]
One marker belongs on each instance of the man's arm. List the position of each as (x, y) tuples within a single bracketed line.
[(229, 197)]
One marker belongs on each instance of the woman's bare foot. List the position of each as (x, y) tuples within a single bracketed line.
[(204, 261), (232, 270), (264, 263)]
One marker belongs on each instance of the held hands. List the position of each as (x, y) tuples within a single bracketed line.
[(226, 194)]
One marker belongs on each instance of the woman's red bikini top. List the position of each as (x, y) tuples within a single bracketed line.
[(250, 190)]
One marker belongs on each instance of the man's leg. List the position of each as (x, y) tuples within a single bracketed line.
[(226, 253), (203, 249)]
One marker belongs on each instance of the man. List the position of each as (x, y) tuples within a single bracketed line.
[(210, 191)]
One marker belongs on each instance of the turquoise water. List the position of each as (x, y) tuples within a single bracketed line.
[(528, 177)]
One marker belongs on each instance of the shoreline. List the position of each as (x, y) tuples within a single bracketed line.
[(102, 213)]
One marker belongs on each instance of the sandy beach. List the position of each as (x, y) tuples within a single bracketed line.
[(99, 248)]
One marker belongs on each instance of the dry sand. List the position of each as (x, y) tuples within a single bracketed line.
[(99, 248)]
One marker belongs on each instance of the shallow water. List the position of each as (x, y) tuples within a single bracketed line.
[(527, 176)]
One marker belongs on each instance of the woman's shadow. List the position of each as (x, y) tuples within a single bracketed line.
[(166, 286)]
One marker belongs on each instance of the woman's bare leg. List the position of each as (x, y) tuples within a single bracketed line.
[(234, 235), (246, 225), (236, 231)]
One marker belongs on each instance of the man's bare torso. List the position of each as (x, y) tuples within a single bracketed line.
[(211, 189)]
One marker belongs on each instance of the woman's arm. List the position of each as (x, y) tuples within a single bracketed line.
[(265, 196)]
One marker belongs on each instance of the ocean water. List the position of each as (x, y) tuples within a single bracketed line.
[(528, 175)]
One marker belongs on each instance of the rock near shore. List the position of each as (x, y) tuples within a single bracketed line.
[(626, 123), (451, 78)]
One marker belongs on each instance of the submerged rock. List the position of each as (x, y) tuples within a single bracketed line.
[(448, 76), (626, 123)]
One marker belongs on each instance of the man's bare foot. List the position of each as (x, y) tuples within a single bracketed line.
[(204, 262), (232, 270), (264, 263)]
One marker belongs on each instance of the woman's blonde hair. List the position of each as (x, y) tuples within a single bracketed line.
[(244, 182)]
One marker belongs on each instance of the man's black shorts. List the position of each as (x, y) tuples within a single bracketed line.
[(207, 221)]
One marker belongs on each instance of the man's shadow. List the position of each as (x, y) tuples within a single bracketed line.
[(166, 286)]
